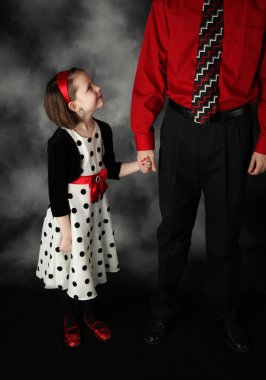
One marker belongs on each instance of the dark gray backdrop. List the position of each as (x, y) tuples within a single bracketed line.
[(39, 38)]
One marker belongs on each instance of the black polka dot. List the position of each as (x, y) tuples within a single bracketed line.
[(79, 239), (81, 156), (99, 274), (57, 249), (71, 256), (60, 287), (89, 139), (84, 267), (100, 163), (89, 294), (103, 232), (112, 245), (52, 237), (108, 208), (74, 283), (100, 237), (91, 153), (105, 220), (100, 262), (50, 225), (67, 277), (72, 270), (100, 250), (88, 234), (57, 229), (59, 269), (51, 256), (46, 253), (82, 254), (92, 214), (107, 266), (96, 135), (87, 281), (77, 225), (45, 272), (98, 149), (79, 142), (109, 255), (76, 297), (66, 257), (41, 261), (51, 245), (83, 191), (92, 167), (100, 210), (86, 205), (45, 234), (88, 220), (118, 266), (70, 196), (50, 276), (91, 241), (99, 225), (74, 210), (38, 269), (91, 228), (41, 242)]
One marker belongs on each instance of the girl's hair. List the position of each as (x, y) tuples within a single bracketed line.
[(55, 106)]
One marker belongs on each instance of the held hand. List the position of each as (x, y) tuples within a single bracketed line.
[(146, 161), (66, 244), (257, 164)]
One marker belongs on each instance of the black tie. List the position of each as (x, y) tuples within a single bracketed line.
[(206, 83)]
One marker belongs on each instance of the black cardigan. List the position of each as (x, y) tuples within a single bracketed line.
[(64, 165)]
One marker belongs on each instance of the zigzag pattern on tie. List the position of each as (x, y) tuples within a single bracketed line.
[(205, 94), (203, 68), (200, 82), (204, 87), (211, 41)]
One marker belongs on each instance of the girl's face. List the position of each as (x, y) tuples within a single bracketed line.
[(88, 94)]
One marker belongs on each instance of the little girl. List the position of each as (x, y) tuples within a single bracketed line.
[(77, 243)]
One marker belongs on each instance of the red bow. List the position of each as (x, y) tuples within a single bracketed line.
[(96, 183)]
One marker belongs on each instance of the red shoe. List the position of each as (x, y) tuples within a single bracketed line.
[(71, 336), (100, 330)]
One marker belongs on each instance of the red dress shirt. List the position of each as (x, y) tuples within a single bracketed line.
[(168, 59)]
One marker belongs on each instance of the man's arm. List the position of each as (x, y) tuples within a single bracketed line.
[(258, 160), (150, 79)]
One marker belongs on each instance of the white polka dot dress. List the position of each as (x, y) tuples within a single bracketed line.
[(93, 247)]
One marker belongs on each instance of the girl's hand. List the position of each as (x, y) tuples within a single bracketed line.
[(146, 164), (148, 154), (66, 244)]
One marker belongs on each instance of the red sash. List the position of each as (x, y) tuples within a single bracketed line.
[(96, 184)]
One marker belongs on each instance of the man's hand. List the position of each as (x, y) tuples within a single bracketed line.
[(148, 155), (257, 164)]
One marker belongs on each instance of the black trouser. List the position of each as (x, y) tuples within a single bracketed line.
[(213, 159)]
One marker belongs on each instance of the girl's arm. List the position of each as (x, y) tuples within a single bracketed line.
[(65, 229), (132, 167)]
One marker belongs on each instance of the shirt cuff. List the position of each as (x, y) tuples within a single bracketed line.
[(261, 145), (144, 141)]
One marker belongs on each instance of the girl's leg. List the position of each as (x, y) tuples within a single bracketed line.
[(70, 308), (91, 320), (89, 309), (71, 320)]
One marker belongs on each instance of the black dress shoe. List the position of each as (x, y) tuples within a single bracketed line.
[(235, 336), (155, 330)]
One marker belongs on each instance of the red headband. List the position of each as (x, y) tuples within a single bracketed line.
[(61, 80)]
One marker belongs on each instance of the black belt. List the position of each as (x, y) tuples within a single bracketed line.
[(217, 118)]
